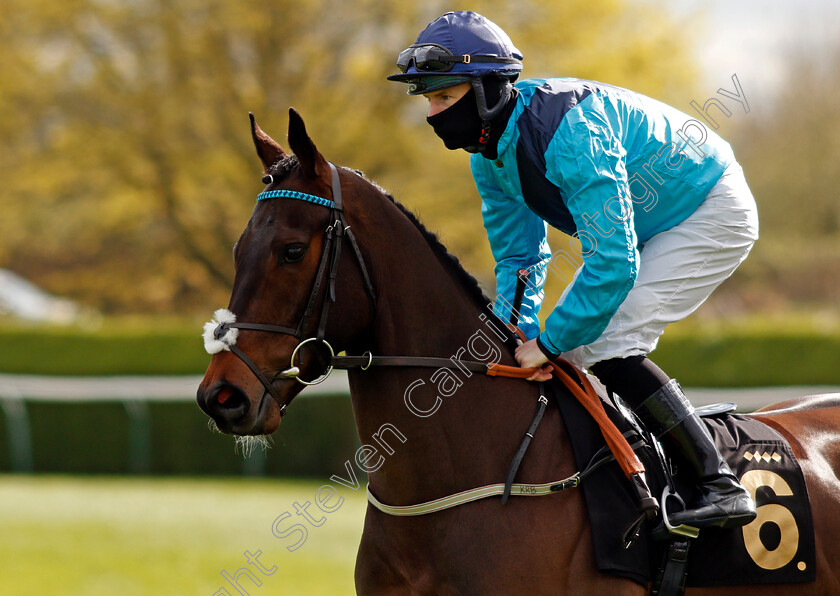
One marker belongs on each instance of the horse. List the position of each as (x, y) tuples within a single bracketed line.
[(429, 432)]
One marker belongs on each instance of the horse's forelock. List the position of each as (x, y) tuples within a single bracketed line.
[(282, 168)]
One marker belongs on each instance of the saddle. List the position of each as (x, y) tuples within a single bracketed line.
[(777, 547)]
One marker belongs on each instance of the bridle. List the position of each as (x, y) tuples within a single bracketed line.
[(337, 231), (225, 338), (335, 234)]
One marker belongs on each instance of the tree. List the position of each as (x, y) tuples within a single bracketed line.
[(129, 170), (791, 157)]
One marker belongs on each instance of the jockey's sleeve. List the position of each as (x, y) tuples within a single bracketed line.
[(587, 161), (518, 240)]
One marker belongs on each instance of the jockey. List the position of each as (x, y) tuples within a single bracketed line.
[(659, 204)]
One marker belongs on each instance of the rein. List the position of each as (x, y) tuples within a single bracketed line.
[(491, 369), (221, 334)]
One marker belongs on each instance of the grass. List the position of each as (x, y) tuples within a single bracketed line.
[(92, 536)]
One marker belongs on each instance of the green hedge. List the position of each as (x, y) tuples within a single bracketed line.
[(319, 436), (136, 348), (755, 352), (747, 352), (315, 440), (751, 361)]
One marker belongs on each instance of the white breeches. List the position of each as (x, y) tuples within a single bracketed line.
[(679, 268)]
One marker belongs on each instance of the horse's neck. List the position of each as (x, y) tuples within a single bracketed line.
[(435, 430), (425, 308)]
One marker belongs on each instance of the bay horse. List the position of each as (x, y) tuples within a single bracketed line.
[(396, 291)]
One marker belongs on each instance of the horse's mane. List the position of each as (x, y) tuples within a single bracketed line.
[(450, 262), (288, 164)]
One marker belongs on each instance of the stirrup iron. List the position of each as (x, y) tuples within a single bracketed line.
[(682, 529)]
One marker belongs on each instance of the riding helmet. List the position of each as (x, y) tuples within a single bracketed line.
[(456, 48)]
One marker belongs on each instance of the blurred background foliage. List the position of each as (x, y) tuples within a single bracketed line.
[(791, 154), (128, 173), (128, 170)]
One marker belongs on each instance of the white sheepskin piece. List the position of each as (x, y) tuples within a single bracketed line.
[(213, 345)]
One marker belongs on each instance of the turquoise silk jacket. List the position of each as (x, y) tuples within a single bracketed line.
[(607, 165)]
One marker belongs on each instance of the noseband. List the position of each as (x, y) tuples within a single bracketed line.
[(221, 334)]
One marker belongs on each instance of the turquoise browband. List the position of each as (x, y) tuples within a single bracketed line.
[(293, 194)]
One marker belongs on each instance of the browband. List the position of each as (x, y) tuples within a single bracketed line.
[(294, 194)]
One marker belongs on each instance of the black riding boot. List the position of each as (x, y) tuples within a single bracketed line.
[(722, 501)]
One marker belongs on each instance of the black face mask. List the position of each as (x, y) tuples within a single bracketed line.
[(459, 125)]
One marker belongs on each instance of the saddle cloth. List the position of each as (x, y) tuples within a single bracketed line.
[(777, 547)]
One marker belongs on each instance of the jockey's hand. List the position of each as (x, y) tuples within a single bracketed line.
[(529, 355)]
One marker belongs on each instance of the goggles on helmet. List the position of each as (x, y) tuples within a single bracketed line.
[(431, 57)]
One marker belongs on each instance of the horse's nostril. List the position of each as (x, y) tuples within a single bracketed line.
[(224, 394), (224, 403), (231, 399)]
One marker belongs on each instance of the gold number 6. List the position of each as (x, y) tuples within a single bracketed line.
[(781, 516)]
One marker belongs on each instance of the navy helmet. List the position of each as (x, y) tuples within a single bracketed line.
[(456, 48)]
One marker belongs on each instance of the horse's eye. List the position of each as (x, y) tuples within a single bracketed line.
[(293, 253)]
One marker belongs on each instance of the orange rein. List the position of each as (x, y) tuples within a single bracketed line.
[(582, 389)]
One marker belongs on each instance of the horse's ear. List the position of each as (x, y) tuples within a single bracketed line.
[(312, 162), (267, 148)]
